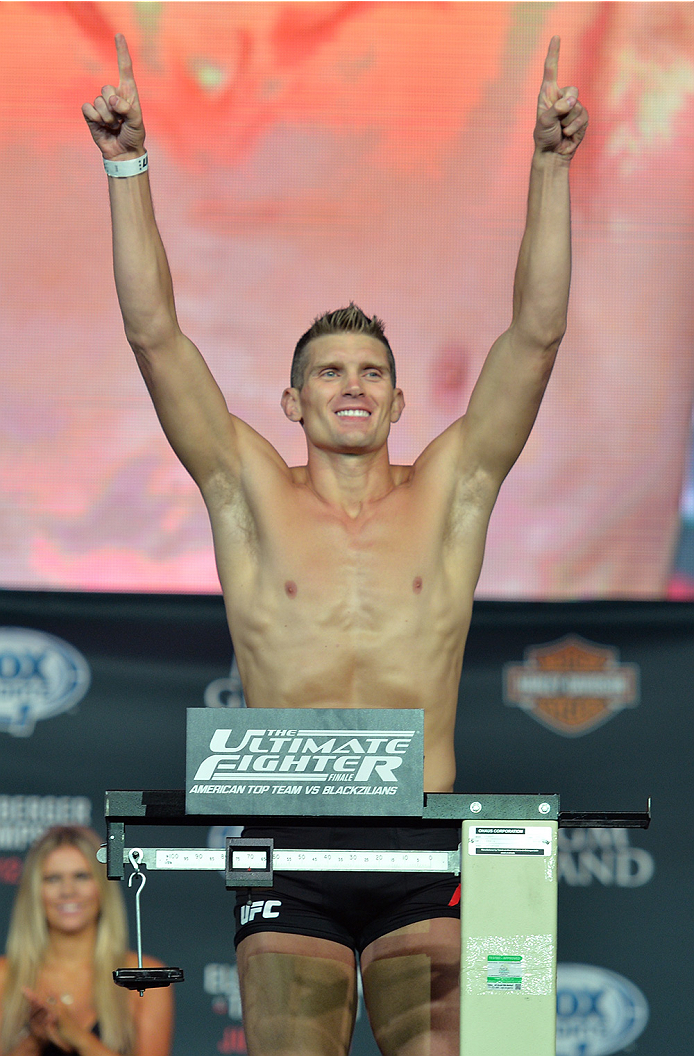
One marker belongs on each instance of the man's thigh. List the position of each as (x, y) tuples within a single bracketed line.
[(298, 994), (411, 988)]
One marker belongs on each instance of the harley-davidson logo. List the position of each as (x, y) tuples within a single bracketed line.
[(572, 686)]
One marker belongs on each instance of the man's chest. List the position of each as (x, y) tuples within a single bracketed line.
[(381, 555), (306, 550)]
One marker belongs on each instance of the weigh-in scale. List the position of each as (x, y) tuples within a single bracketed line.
[(349, 766)]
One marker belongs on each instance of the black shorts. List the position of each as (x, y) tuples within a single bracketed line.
[(350, 908)]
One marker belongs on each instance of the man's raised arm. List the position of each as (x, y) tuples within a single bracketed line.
[(187, 399), (506, 398)]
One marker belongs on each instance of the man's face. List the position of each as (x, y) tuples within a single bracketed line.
[(347, 402)]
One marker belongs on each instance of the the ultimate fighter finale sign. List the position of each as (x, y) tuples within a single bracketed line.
[(305, 761)]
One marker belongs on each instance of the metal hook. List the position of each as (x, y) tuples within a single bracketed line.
[(135, 857)]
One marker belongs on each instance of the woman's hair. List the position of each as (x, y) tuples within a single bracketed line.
[(27, 941)]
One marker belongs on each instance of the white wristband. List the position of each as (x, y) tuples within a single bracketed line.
[(121, 169)]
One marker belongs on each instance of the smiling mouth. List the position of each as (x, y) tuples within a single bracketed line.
[(353, 414)]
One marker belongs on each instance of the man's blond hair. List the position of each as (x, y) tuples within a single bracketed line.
[(344, 320)]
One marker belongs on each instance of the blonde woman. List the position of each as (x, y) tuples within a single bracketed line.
[(67, 934)]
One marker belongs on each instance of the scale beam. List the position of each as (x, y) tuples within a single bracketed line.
[(298, 861)]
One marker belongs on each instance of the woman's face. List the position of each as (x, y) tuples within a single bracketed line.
[(69, 890)]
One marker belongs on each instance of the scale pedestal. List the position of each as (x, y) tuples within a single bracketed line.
[(508, 926)]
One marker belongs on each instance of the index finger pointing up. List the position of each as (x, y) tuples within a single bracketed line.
[(125, 65), (552, 62)]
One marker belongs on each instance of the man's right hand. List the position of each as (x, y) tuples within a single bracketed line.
[(115, 119)]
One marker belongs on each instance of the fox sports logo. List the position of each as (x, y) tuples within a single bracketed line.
[(40, 676), (598, 1011)]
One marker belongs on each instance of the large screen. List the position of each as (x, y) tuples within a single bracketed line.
[(304, 155)]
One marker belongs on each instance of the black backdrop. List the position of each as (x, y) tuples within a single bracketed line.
[(625, 897)]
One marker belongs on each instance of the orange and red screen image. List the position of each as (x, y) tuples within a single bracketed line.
[(303, 155)]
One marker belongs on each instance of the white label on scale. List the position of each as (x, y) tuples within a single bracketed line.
[(510, 839)]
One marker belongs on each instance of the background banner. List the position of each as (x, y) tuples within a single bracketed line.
[(590, 700), (303, 155)]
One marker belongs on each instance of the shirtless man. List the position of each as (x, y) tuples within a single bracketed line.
[(348, 582)]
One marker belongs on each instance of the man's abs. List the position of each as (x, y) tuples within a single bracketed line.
[(301, 650)]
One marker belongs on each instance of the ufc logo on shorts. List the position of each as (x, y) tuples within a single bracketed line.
[(265, 909)]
